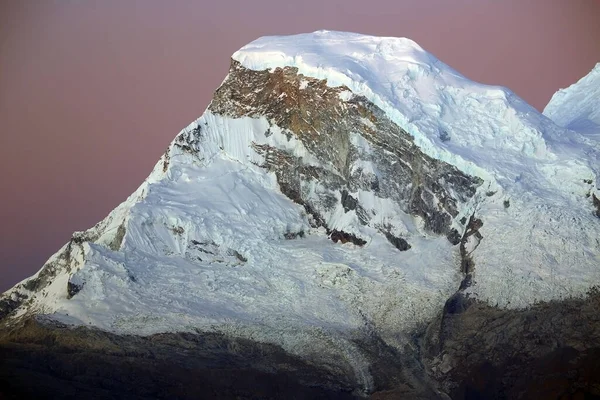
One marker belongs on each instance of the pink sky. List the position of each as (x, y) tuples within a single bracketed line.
[(92, 92)]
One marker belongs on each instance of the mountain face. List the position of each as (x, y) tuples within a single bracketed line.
[(353, 216)]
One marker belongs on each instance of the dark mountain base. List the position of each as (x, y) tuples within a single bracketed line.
[(53, 362), (550, 351), (563, 374)]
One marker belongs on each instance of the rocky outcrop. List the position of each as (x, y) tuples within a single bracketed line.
[(344, 237), (64, 261), (398, 242), (73, 289), (10, 304), (596, 202), (326, 120)]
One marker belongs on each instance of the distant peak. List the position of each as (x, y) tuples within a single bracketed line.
[(576, 107)]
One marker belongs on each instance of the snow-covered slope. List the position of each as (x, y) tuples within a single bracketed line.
[(578, 106), (421, 171)]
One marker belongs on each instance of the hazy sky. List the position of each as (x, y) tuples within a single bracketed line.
[(92, 92)]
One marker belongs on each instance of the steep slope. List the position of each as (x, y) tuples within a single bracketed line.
[(340, 193), (577, 108)]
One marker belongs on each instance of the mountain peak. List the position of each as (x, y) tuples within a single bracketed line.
[(339, 189), (370, 138)]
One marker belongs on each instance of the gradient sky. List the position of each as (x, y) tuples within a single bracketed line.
[(92, 92)]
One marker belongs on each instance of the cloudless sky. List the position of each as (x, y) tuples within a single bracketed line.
[(92, 92)]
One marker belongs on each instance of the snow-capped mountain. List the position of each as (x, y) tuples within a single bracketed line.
[(340, 186)]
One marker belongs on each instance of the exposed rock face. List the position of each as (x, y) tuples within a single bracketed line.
[(63, 261), (73, 289), (328, 120), (8, 305)]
